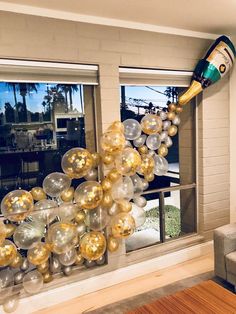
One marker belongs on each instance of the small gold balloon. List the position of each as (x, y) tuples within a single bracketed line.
[(125, 206), (96, 159), (128, 161), (17, 262), (93, 245), (107, 201), (80, 217), (163, 150), (143, 149), (106, 184), (68, 195), (122, 225), (172, 107), (172, 130), (151, 124), (43, 268), (112, 244), (3, 232), (88, 195), (8, 253), (38, 194), (171, 115), (39, 254), (108, 159), (77, 162), (79, 258), (112, 142), (147, 165), (47, 277), (149, 177), (179, 109), (10, 229), (114, 175), (116, 126)]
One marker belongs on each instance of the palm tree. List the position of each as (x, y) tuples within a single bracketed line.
[(68, 89), (13, 87)]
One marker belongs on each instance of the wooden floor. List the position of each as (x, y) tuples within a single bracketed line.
[(133, 287), (205, 298)]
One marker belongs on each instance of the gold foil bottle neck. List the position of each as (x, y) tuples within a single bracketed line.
[(194, 89)]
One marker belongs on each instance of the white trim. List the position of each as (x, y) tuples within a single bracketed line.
[(156, 72), (57, 14), (67, 292)]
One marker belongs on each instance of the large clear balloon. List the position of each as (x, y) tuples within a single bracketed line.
[(28, 234), (97, 219), (8, 253), (161, 165), (93, 245), (139, 215), (88, 195), (77, 162), (153, 141), (122, 225), (140, 141), (45, 211), (123, 189), (11, 303), (39, 254), (112, 142), (55, 183), (128, 161), (6, 283), (62, 237), (17, 205), (138, 184), (33, 282), (67, 211), (151, 124), (132, 129), (68, 258)]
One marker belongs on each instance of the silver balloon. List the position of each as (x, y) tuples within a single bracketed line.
[(28, 234), (67, 211), (139, 215), (55, 265), (89, 264), (145, 184), (138, 184), (140, 201), (25, 264), (132, 129), (176, 120), (168, 142), (45, 211), (97, 219), (81, 229), (166, 124), (6, 283), (101, 260), (128, 144), (114, 210), (163, 135), (18, 277), (161, 165), (92, 175), (68, 258), (11, 303), (67, 270), (55, 183), (33, 282), (140, 141), (153, 141), (163, 115)]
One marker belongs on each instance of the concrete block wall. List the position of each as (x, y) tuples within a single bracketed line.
[(38, 38)]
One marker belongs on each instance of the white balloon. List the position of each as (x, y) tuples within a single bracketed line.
[(68, 258), (163, 115), (67, 211), (11, 303), (140, 201), (176, 120), (153, 141), (163, 135), (139, 215), (161, 165), (166, 125), (140, 141), (45, 211), (145, 184), (122, 189), (138, 184), (168, 142), (132, 129)]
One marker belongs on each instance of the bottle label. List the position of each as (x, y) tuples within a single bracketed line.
[(222, 57)]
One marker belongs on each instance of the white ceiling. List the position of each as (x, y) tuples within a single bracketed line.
[(209, 16)]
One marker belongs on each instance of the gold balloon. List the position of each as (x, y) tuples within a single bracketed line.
[(10, 229), (151, 124), (112, 142), (43, 268), (125, 206), (39, 254), (147, 165), (117, 126), (179, 109), (93, 245), (77, 162), (108, 159), (96, 159), (79, 258), (107, 201), (106, 184), (149, 177), (172, 130), (112, 244), (128, 161), (47, 277), (80, 217), (172, 107), (3, 232), (17, 205), (38, 194), (88, 195), (122, 225), (68, 195), (163, 150), (114, 175), (143, 149), (8, 253), (17, 262), (171, 115)]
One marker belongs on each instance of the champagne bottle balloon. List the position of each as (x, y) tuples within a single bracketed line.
[(217, 62)]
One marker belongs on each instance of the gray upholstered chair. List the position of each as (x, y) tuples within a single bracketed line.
[(225, 253)]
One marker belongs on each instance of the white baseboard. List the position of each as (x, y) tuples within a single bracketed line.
[(45, 299)]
